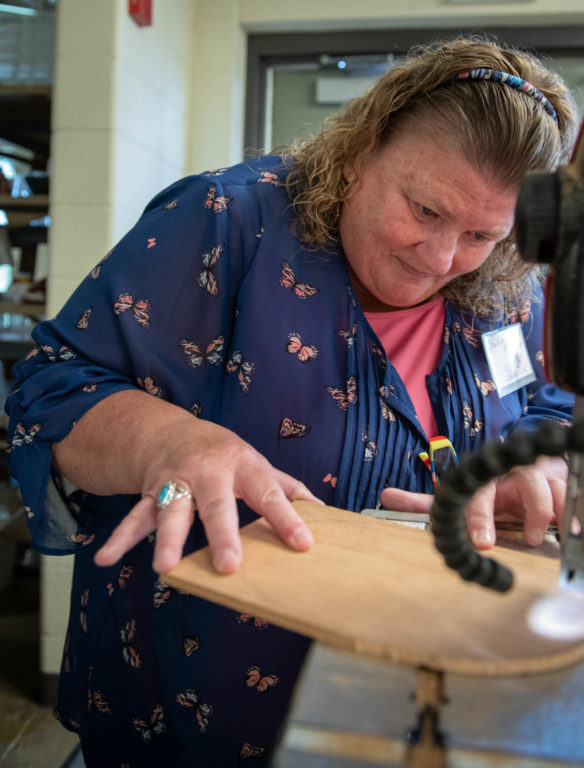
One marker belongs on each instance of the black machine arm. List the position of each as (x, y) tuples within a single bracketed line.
[(550, 229), (475, 470)]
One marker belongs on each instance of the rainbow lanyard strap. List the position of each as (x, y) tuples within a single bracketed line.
[(440, 456)]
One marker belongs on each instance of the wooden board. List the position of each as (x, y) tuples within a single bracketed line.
[(381, 589)]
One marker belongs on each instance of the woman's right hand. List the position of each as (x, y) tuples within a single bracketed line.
[(211, 462)]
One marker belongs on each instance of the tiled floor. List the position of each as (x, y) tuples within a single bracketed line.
[(30, 736)]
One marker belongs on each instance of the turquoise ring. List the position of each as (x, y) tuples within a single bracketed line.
[(171, 491)]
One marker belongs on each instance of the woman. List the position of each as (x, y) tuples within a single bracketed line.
[(251, 341)]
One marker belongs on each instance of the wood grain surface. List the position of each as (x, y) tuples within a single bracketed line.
[(377, 588)]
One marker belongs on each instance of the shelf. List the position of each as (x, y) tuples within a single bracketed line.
[(18, 219), (22, 210), (29, 310), (34, 202)]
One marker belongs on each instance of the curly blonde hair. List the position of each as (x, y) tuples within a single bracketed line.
[(502, 132)]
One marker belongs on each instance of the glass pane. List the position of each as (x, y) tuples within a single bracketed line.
[(301, 95), (571, 68)]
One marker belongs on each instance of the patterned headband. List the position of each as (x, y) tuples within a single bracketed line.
[(512, 81)]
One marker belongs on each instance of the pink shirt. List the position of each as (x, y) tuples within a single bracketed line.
[(412, 339)]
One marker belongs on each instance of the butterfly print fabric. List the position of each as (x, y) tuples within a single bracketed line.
[(304, 352), (266, 338), (207, 354), (243, 368), (300, 290), (138, 308), (207, 278)]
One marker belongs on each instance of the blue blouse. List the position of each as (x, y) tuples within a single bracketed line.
[(212, 304)]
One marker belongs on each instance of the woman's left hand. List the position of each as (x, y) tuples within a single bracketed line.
[(534, 494)]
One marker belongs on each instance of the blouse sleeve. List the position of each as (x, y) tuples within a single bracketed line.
[(154, 314)]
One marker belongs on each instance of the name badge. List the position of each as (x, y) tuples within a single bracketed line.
[(508, 358)]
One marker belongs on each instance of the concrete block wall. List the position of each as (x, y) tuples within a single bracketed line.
[(120, 104), (152, 93), (219, 67)]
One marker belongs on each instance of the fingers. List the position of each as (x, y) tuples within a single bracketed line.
[(267, 492), (139, 522), (479, 511), (217, 510), (556, 473), (406, 501), (558, 489), (294, 489), (536, 493), (479, 516), (269, 498), (174, 524), (536, 500)]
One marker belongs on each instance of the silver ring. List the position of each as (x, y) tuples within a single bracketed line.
[(171, 491)]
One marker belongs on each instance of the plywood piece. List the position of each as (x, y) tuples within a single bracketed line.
[(381, 589)]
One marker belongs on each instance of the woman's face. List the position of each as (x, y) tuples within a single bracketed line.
[(418, 217)]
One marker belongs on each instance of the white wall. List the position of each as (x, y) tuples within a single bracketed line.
[(331, 15), (120, 105), (152, 93), (219, 71), (83, 114)]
